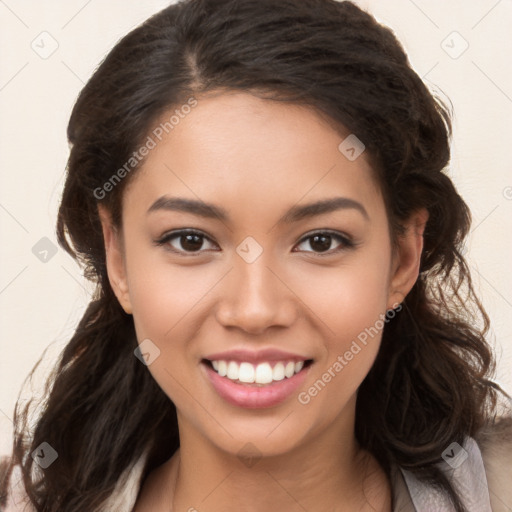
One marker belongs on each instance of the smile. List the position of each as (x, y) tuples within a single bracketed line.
[(263, 373), (255, 385)]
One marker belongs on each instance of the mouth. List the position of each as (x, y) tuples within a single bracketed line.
[(261, 374), (256, 385)]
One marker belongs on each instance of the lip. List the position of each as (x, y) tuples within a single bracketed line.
[(255, 357), (250, 396)]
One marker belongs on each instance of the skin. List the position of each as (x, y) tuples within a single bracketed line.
[(256, 159)]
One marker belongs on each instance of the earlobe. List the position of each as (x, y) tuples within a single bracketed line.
[(406, 264), (115, 261)]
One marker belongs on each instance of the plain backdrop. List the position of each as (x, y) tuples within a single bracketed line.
[(49, 49)]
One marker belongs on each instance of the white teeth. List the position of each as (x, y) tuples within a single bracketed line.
[(262, 373), (278, 372), (223, 368), (289, 369), (233, 371), (246, 373)]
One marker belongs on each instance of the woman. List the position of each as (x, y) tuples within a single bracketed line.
[(283, 317)]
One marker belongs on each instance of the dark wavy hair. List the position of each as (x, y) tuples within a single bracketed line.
[(429, 385)]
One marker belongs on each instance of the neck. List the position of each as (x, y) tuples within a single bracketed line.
[(330, 471)]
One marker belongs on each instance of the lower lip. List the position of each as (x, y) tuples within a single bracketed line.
[(255, 397)]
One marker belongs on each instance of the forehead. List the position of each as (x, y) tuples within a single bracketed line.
[(234, 145)]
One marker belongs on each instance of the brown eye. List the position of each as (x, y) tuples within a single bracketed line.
[(184, 242), (322, 242), (191, 242)]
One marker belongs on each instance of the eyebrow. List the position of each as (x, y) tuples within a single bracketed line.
[(294, 214)]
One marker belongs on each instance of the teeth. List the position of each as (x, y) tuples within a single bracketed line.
[(278, 372), (223, 368), (262, 373), (289, 369), (233, 370), (246, 373)]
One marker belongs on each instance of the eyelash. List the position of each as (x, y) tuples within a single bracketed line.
[(345, 241)]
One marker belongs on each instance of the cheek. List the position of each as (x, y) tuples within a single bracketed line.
[(163, 300), (347, 298), (352, 334), (163, 295), (350, 300)]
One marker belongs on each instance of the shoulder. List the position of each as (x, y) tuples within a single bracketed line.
[(495, 443)]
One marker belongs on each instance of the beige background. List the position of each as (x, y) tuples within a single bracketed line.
[(41, 302)]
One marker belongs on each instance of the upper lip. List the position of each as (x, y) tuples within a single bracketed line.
[(255, 357)]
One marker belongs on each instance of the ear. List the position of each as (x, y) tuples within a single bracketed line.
[(115, 260), (407, 258)]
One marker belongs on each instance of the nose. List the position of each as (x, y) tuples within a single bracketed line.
[(255, 297)]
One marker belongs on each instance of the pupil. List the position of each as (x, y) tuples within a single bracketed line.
[(321, 243), (192, 242)]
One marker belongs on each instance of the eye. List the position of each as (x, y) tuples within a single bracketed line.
[(322, 241), (185, 241), (192, 241)]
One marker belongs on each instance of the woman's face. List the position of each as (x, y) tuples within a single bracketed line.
[(292, 263)]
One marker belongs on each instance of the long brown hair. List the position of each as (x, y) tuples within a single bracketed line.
[(429, 385)]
